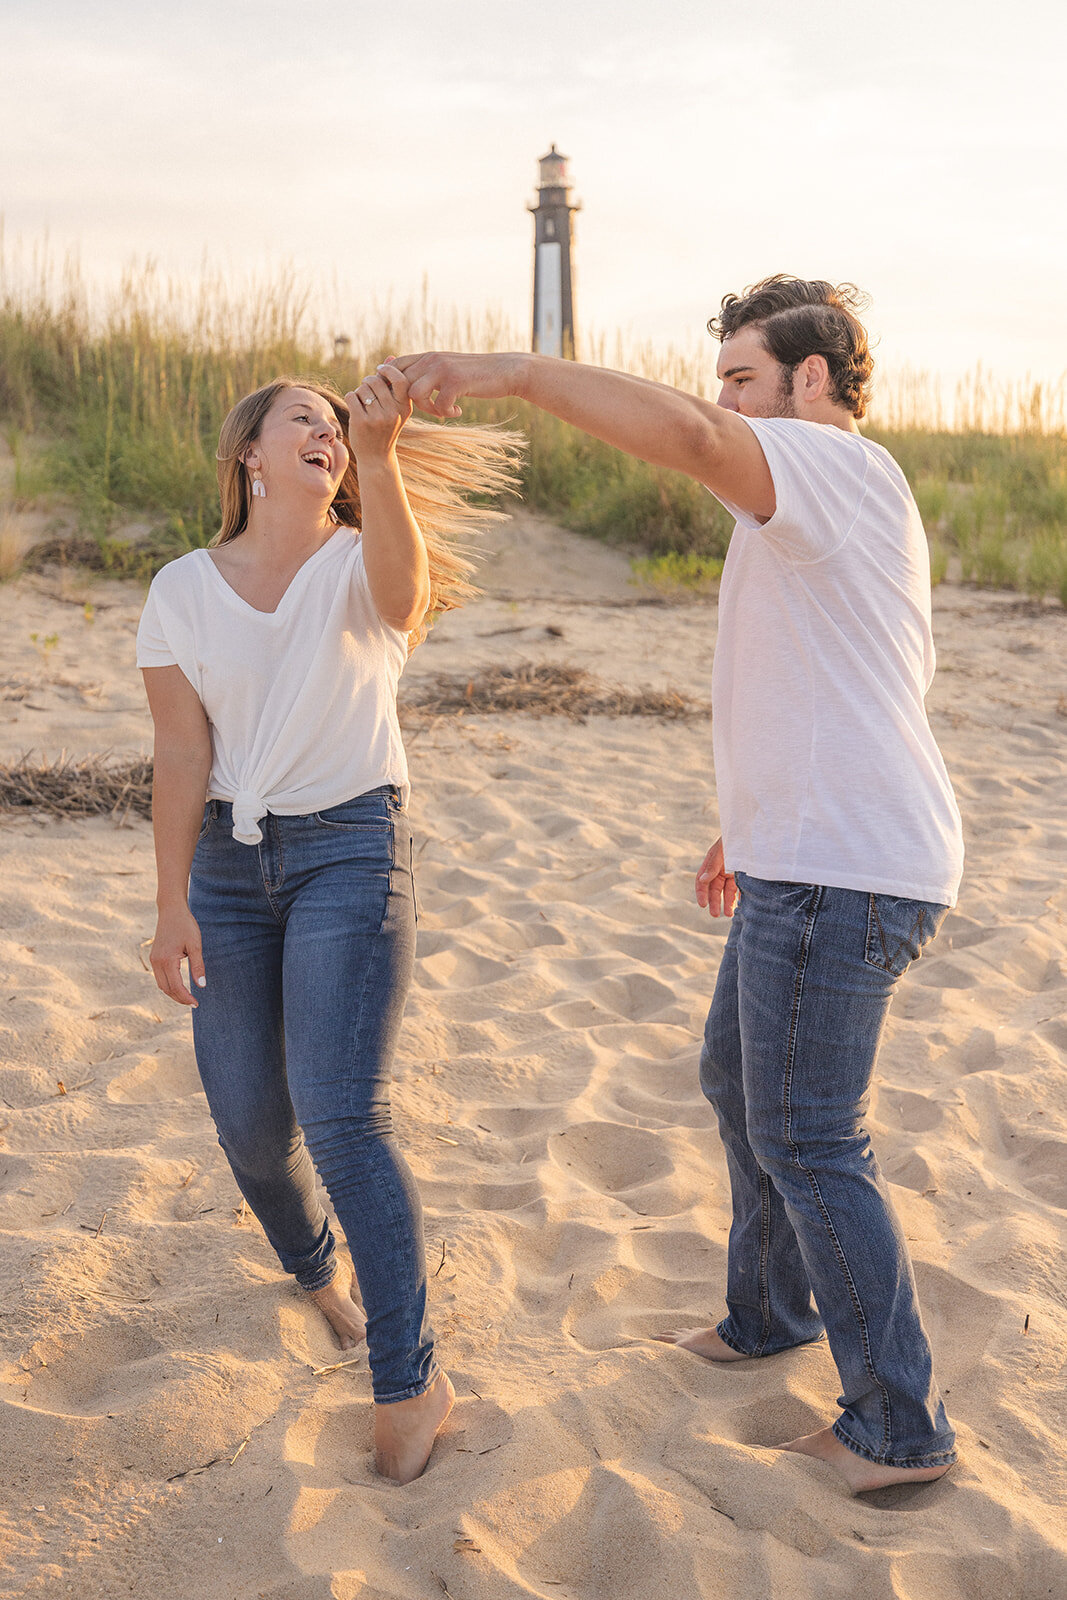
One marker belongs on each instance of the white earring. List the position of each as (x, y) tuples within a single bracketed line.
[(259, 488)]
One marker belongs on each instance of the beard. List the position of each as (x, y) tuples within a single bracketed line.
[(782, 404)]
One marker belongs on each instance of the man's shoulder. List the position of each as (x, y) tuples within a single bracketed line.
[(811, 435)]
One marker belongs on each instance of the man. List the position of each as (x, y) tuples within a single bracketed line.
[(841, 845)]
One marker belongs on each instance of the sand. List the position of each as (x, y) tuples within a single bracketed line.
[(168, 1429)]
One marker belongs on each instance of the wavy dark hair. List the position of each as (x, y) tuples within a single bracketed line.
[(801, 317)]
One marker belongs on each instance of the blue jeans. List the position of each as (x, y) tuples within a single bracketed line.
[(309, 942), (790, 1045)]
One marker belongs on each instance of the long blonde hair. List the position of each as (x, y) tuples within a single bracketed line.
[(441, 466)]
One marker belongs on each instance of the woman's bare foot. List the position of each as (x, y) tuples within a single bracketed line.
[(404, 1432), (703, 1342), (338, 1304), (859, 1474)]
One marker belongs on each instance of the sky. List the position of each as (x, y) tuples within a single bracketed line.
[(384, 151)]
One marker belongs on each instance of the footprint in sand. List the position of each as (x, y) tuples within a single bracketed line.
[(618, 1099), (1041, 1162), (1054, 1032), (773, 1416), (937, 972), (497, 1196), (610, 1157), (962, 1321), (107, 1369), (979, 1051), (167, 1074), (961, 932), (453, 966), (913, 1169), (678, 1256), (915, 1113), (517, 1122), (635, 996)]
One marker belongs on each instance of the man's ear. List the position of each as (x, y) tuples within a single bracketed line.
[(814, 375)]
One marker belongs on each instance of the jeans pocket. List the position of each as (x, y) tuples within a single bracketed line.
[(368, 811), (898, 929), (211, 811)]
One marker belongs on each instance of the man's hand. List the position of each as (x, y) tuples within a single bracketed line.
[(715, 887), (436, 380)]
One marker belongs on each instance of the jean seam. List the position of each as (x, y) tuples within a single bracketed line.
[(764, 1251), (271, 886), (811, 1179)]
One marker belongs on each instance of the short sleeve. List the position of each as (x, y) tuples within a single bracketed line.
[(153, 650), (820, 483)]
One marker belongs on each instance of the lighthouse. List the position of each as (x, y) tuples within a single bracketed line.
[(553, 297)]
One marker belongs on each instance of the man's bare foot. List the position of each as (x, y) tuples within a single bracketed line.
[(405, 1431), (338, 1304), (703, 1342), (859, 1474)]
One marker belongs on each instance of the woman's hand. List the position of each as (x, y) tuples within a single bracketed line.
[(178, 936), (378, 409), (716, 890)]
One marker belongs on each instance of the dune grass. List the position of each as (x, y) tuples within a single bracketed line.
[(112, 407)]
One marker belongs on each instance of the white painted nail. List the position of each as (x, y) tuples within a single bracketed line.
[(201, 983)]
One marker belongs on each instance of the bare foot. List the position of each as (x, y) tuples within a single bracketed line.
[(859, 1474), (405, 1431), (703, 1342), (338, 1304)]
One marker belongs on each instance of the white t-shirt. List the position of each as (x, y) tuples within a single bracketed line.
[(826, 768), (302, 700)]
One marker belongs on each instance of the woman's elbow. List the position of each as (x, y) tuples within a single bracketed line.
[(407, 619)]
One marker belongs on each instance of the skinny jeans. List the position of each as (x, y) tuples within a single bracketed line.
[(815, 1246), (309, 942)]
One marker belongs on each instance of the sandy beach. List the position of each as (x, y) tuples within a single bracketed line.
[(177, 1421)]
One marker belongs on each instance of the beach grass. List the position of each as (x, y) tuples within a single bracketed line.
[(111, 407)]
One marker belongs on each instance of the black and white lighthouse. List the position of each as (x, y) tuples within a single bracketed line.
[(553, 296)]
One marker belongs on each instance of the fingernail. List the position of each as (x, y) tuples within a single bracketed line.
[(201, 983)]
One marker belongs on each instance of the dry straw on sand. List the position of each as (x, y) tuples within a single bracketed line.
[(95, 786), (98, 785), (542, 691)]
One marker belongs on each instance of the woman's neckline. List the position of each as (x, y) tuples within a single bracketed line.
[(293, 581)]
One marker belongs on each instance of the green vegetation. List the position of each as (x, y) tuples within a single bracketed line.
[(114, 409), (676, 570)]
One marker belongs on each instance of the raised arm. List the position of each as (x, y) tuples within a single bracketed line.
[(650, 420), (394, 551), (181, 768)]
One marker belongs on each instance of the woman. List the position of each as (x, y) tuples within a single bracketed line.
[(271, 663)]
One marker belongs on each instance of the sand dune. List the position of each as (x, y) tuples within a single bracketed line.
[(168, 1430)]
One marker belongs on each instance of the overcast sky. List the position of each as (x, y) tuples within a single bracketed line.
[(918, 148)]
